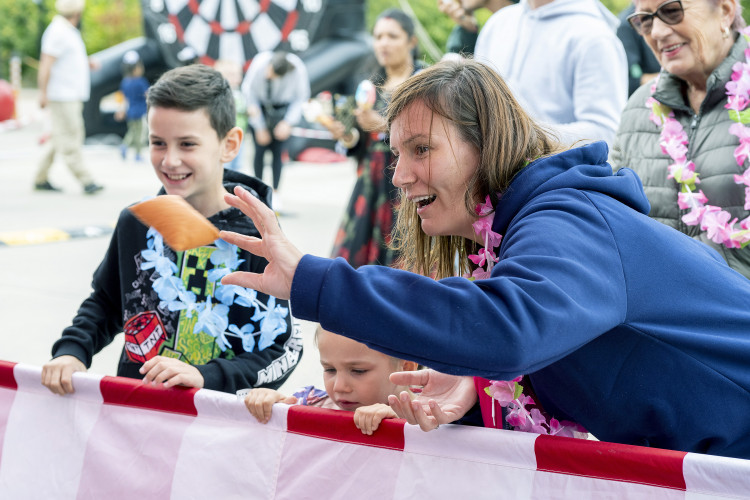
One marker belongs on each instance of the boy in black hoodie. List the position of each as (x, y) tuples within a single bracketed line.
[(181, 326)]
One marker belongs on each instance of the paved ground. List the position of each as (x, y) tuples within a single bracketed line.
[(42, 282)]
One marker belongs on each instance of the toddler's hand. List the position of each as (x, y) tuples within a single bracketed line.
[(259, 402), (368, 418)]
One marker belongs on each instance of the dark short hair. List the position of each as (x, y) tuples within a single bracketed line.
[(280, 63), (401, 17), (194, 87)]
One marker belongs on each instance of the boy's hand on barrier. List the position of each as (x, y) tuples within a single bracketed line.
[(57, 375), (368, 418), (259, 402), (170, 372)]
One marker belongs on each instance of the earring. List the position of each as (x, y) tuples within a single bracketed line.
[(725, 32)]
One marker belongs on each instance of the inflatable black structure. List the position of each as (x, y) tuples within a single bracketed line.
[(329, 35)]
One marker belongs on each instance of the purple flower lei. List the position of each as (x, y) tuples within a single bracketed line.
[(509, 394), (716, 222)]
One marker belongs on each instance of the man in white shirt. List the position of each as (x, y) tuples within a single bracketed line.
[(64, 85), (564, 63)]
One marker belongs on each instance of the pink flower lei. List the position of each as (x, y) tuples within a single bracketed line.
[(523, 412), (716, 222)]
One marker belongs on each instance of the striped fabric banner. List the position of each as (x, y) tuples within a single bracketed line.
[(117, 438)]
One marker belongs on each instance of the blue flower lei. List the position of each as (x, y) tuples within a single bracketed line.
[(213, 319)]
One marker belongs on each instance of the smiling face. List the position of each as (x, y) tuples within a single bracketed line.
[(392, 44), (188, 156), (434, 166), (355, 375), (694, 47)]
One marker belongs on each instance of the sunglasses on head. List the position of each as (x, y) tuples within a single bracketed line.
[(670, 12)]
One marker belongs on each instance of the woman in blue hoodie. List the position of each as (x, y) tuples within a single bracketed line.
[(619, 324)]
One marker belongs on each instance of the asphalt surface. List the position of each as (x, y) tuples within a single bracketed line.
[(50, 243)]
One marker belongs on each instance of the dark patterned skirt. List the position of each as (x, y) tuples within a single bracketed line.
[(365, 230)]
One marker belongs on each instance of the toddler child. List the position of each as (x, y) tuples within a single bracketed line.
[(356, 378)]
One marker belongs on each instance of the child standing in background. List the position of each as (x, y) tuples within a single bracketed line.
[(133, 88), (232, 72), (356, 378)]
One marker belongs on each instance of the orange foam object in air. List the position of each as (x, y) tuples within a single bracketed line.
[(181, 225)]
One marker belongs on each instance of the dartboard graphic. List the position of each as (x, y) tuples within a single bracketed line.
[(208, 30)]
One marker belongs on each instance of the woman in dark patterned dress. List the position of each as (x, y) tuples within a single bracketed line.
[(364, 234)]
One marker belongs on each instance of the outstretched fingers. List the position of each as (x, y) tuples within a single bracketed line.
[(412, 411), (282, 256), (418, 377), (250, 243), (263, 217), (244, 279)]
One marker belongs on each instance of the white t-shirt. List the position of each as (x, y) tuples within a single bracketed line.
[(70, 78)]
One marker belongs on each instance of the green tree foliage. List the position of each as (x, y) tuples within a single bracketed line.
[(109, 22), (105, 23), (18, 28)]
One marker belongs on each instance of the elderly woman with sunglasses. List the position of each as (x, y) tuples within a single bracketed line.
[(681, 134)]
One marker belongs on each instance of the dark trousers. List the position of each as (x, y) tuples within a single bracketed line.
[(277, 148)]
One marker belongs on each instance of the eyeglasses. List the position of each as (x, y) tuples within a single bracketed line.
[(670, 12)]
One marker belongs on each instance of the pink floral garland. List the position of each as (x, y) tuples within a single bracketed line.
[(718, 223), (509, 394)]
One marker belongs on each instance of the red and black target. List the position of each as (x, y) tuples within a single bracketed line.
[(208, 30)]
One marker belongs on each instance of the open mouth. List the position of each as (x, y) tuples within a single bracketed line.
[(423, 201)]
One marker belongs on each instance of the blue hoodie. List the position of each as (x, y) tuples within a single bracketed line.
[(626, 326)]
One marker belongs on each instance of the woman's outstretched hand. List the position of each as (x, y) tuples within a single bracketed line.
[(444, 398), (272, 245)]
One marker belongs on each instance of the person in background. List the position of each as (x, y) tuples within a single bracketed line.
[(133, 87), (564, 63), (463, 37), (232, 71), (355, 378), (364, 234), (181, 326), (64, 85), (276, 87), (523, 257), (642, 65), (680, 134)]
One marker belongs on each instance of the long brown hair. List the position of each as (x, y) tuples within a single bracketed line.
[(486, 115)]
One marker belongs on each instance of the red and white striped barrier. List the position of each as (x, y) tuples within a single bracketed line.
[(116, 438)]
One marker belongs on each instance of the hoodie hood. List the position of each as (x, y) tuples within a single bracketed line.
[(556, 8), (232, 217), (584, 168)]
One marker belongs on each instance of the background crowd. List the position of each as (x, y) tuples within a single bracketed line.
[(543, 96)]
